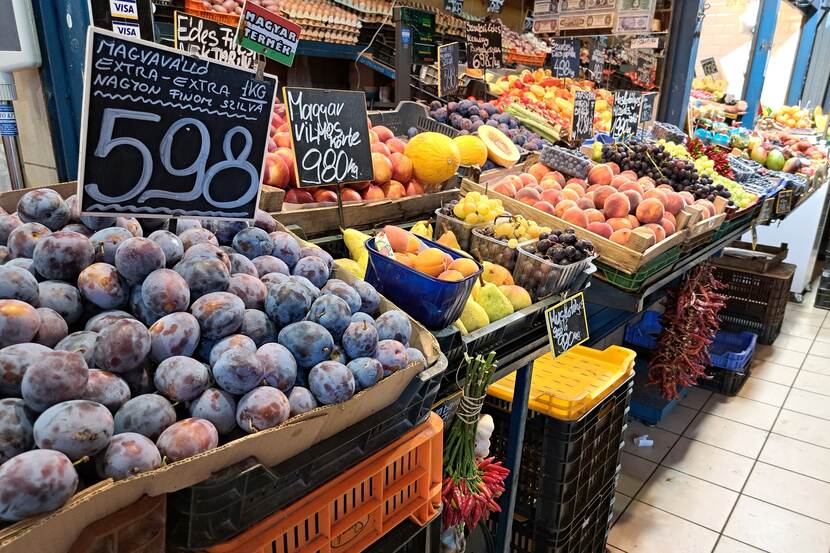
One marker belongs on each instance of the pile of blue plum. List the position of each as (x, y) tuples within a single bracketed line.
[(125, 345)]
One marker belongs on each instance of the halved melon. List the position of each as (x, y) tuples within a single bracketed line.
[(499, 147)]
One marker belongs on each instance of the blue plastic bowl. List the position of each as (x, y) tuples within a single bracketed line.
[(434, 303)]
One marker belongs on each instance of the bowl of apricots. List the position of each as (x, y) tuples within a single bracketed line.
[(429, 281)]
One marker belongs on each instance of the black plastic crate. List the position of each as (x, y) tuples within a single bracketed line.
[(725, 381), (237, 497), (767, 331), (759, 296), (408, 537), (564, 464)]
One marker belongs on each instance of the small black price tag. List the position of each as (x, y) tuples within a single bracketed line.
[(448, 58), (647, 110), (564, 57), (626, 114), (784, 204), (597, 62), (210, 39), (710, 67), (483, 45), (567, 324), (583, 117)]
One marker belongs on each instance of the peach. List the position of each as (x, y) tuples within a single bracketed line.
[(550, 184), (528, 195), (671, 218), (600, 174), (283, 140), (620, 236), (396, 145), (350, 194), (464, 265), (674, 202), (575, 187), (603, 229), (646, 186), (431, 261), (505, 187), (594, 216), (380, 148), (658, 230), (665, 187), (650, 210), (614, 167), (450, 275), (538, 170), (383, 133), (630, 174), (559, 177), (276, 171), (381, 168), (635, 222), (287, 155), (552, 195), (585, 203), (360, 186), (648, 180), (570, 194), (710, 207), (620, 223), (545, 206), (620, 180), (659, 194), (373, 193), (634, 199), (298, 196), (401, 167), (582, 184), (601, 194), (373, 136), (616, 205), (687, 197), (636, 187), (414, 188), (406, 258), (593, 187), (528, 179), (668, 226), (515, 181), (563, 206), (393, 190), (576, 217), (322, 195)]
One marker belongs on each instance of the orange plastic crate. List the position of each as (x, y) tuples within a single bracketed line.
[(195, 7), (357, 508), (137, 528)]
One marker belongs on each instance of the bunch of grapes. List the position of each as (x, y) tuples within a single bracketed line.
[(561, 247)]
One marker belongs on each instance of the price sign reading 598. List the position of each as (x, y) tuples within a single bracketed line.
[(169, 134)]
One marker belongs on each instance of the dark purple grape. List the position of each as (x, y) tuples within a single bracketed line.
[(106, 242), (164, 291), (331, 382), (44, 206), (128, 454), (62, 255), (101, 285), (35, 482), (15, 428), (181, 378), (63, 298), (238, 371), (216, 406), (170, 244), (187, 438), (147, 414), (16, 283), (19, 322), (174, 334), (23, 239), (14, 360), (106, 388), (279, 366), (301, 400), (262, 408), (138, 257), (76, 428), (52, 328), (228, 343), (122, 346), (219, 314)]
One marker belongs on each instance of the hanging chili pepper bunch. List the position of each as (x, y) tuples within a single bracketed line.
[(470, 486), (690, 322)]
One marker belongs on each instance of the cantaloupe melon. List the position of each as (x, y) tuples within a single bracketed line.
[(499, 147), (472, 148), (435, 157)]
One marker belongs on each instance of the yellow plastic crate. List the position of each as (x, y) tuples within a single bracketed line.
[(569, 386)]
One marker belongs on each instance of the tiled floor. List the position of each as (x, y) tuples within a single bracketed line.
[(746, 474)]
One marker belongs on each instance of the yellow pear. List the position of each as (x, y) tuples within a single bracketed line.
[(352, 266), (519, 297), (474, 316), (496, 274), (449, 240), (460, 326), (355, 241), (423, 229), (494, 303)]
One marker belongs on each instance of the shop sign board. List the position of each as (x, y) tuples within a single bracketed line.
[(448, 58), (269, 34), (564, 57), (483, 45), (567, 324), (626, 114), (329, 135), (210, 39), (583, 115), (168, 134)]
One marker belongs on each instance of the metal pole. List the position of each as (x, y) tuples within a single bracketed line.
[(8, 130), (802, 57), (761, 46), (681, 53), (515, 439)]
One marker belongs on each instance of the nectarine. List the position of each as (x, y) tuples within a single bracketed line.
[(396, 145), (350, 195), (636, 187), (414, 188), (585, 203), (668, 226), (603, 229), (380, 148), (393, 190), (674, 202), (620, 180), (570, 194), (630, 174), (658, 194), (383, 133), (528, 179), (616, 205), (373, 193), (576, 217), (614, 167), (381, 168), (650, 210), (505, 187), (658, 230)]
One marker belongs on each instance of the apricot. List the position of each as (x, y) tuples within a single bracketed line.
[(603, 229), (463, 265), (635, 186), (668, 226), (620, 236), (538, 170), (634, 199), (506, 188), (630, 174), (601, 194), (528, 179), (614, 167), (545, 206), (658, 230), (659, 194), (674, 202), (528, 195), (650, 210), (600, 174), (381, 169), (431, 261), (585, 203), (450, 275), (616, 205), (635, 222), (401, 167), (563, 206), (552, 195), (570, 194), (594, 216), (576, 217), (619, 223), (619, 180), (406, 258)]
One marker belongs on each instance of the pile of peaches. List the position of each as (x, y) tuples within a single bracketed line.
[(609, 202), (393, 171), (410, 251)]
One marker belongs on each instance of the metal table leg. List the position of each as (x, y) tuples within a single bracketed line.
[(518, 416)]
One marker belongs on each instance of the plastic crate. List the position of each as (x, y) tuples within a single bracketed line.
[(138, 528), (408, 537), (647, 402), (432, 302), (410, 114), (766, 332), (697, 242), (403, 481), (732, 351), (543, 278), (741, 218), (195, 7), (757, 296), (568, 162), (668, 132), (634, 281), (233, 500), (724, 381), (565, 463), (643, 333), (763, 259)]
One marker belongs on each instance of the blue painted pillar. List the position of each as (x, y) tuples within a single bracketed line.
[(802, 57), (761, 46), (680, 62)]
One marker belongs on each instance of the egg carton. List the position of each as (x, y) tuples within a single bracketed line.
[(668, 132), (567, 162)]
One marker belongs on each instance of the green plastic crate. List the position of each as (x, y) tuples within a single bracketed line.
[(629, 281)]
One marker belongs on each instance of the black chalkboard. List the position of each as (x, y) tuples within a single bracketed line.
[(646, 68), (567, 324), (495, 6), (626, 113), (564, 57), (447, 69), (165, 133), (330, 135), (597, 62), (709, 66), (583, 118), (647, 111), (454, 6), (483, 45), (211, 40)]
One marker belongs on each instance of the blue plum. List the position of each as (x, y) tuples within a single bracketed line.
[(136, 258), (258, 327), (204, 275), (95, 223), (241, 264), (279, 366), (262, 408), (238, 371), (369, 297), (316, 251), (216, 406), (367, 372), (147, 414), (129, 224), (253, 242), (140, 309), (181, 378), (269, 264), (44, 206), (82, 342), (187, 438), (106, 388), (219, 314), (77, 428), (331, 382), (35, 482), (392, 355), (263, 220), (287, 303), (52, 328), (106, 318), (228, 343), (360, 316), (122, 346), (14, 360), (63, 298), (308, 342), (249, 289), (164, 291), (415, 356), (19, 322), (183, 225), (170, 244), (285, 247), (197, 235), (15, 428), (7, 224), (313, 268), (16, 283), (106, 242), (301, 400), (332, 312), (174, 334), (101, 285), (307, 284), (271, 279), (62, 255), (208, 251), (23, 239), (224, 231), (394, 325), (342, 290), (360, 339), (128, 454)]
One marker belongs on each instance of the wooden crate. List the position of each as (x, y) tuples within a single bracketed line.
[(629, 258)]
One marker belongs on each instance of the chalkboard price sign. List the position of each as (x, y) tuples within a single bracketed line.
[(597, 61), (647, 111), (564, 57), (626, 113), (454, 6), (165, 133), (483, 45), (495, 6), (330, 136), (583, 117), (211, 40), (567, 324), (710, 67), (447, 69)]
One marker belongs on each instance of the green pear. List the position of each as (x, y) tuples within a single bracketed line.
[(474, 316), (494, 302)]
